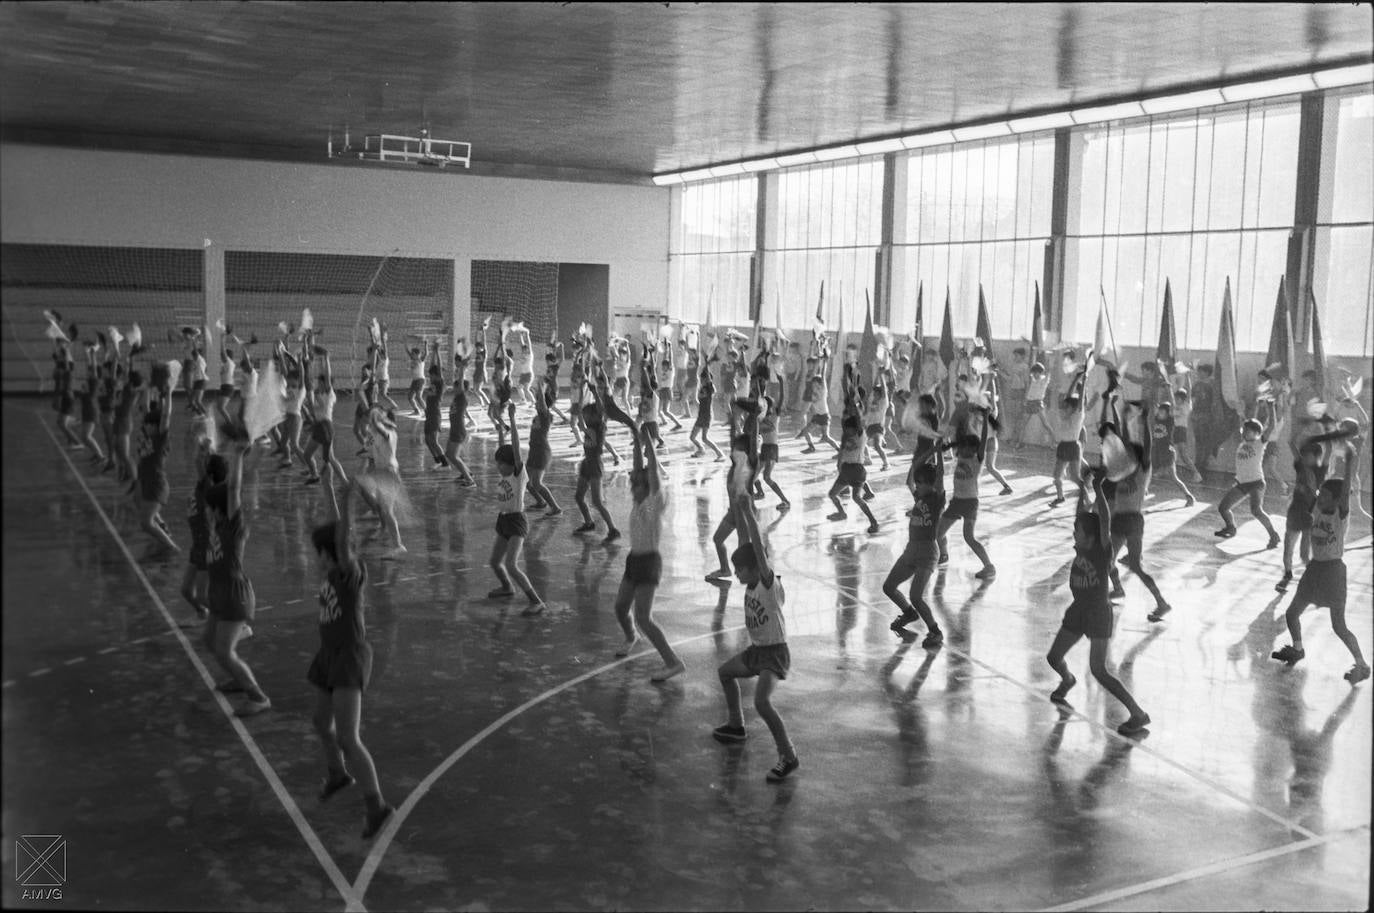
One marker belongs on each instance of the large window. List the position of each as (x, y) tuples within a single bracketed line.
[(1196, 200), (712, 245), (975, 213), (1343, 282), (829, 226)]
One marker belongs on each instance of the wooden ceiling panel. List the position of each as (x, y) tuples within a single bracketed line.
[(620, 88)]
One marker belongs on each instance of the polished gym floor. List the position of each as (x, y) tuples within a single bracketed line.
[(532, 770)]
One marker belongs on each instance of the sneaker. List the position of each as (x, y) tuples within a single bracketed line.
[(611, 536), (1060, 695), (809, 449), (1006, 490), (313, 480), (1160, 611), (585, 528), (1357, 674), (901, 621), (1056, 502), (394, 554), (837, 515), (375, 822), (943, 559), (873, 528), (1134, 725), (934, 639), (728, 734), (1189, 501), (1225, 532), (332, 785), (253, 708), (1282, 585), (533, 609), (1274, 541), (625, 648), (1288, 654), (987, 573), (782, 770), (554, 512), (501, 592), (785, 505), (868, 496)]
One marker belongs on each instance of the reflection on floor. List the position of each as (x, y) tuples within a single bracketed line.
[(534, 771)]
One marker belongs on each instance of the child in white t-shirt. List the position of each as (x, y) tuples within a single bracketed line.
[(767, 657), (1249, 482)]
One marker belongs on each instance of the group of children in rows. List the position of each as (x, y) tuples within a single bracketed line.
[(1109, 514)]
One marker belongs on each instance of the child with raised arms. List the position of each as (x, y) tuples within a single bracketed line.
[(644, 564), (1323, 581), (1090, 614), (511, 525), (342, 667), (541, 454), (229, 592), (1128, 518), (1249, 482), (918, 561), (970, 450), (1309, 473), (767, 657)]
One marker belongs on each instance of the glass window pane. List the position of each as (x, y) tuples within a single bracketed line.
[(1176, 176), (1279, 166), (1353, 197), (1344, 289), (1228, 170), (1155, 175), (1092, 187), (1135, 166), (1042, 190), (958, 216)]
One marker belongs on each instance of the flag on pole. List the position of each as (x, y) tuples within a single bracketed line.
[(868, 346), (1104, 342), (1318, 349), (947, 334), (1228, 382), (917, 340), (820, 305), (1037, 339), (984, 330), (777, 318), (1281, 335), (1167, 352)]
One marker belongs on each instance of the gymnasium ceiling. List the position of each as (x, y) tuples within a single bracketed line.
[(610, 91)]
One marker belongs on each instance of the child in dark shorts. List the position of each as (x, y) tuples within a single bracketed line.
[(511, 525), (1090, 614), (644, 564), (153, 487), (213, 469), (1323, 581), (541, 454), (229, 592), (342, 667), (767, 658), (1309, 473)]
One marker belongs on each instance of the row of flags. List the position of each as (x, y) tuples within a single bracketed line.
[(1280, 358)]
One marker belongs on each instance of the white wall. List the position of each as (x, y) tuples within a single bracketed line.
[(69, 196)]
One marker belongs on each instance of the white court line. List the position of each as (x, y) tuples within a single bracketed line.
[(393, 824), (1109, 731), (1216, 868), (331, 869)]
